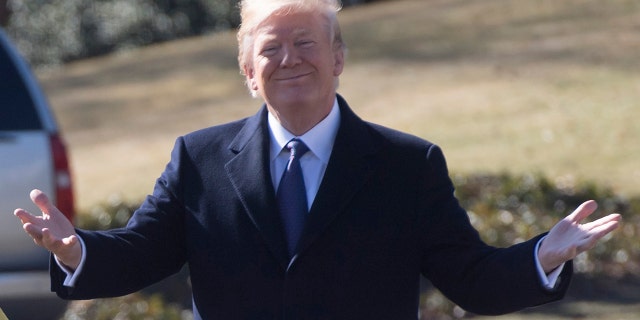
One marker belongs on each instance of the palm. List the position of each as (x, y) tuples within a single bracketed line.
[(568, 238), (52, 230)]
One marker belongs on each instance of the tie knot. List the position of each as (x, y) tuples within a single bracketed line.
[(297, 148)]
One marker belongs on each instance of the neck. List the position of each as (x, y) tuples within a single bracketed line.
[(300, 118)]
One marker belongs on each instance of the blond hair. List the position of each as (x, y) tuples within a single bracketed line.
[(254, 12)]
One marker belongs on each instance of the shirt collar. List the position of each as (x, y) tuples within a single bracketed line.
[(319, 139)]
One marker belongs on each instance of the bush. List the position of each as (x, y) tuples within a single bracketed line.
[(169, 299), (508, 209), (131, 307), (53, 32), (113, 213), (505, 209)]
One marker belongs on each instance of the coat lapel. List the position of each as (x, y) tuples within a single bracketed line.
[(349, 167), (250, 175)]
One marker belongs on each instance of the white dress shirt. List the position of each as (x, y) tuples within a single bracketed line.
[(320, 141)]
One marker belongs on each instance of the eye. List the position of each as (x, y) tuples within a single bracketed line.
[(269, 51), (305, 43), (268, 48)]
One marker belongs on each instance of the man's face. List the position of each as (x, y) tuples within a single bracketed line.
[(294, 61)]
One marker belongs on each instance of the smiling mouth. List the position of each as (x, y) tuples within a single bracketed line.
[(294, 77)]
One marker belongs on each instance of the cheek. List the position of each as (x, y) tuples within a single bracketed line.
[(265, 70)]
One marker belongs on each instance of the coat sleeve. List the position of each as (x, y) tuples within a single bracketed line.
[(479, 278), (150, 248)]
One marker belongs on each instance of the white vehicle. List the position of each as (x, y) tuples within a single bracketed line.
[(32, 155)]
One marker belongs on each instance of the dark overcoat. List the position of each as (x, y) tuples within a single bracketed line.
[(385, 213)]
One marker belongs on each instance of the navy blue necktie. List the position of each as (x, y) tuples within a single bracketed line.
[(292, 195)]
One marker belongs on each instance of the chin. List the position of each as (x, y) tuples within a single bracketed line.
[(295, 97)]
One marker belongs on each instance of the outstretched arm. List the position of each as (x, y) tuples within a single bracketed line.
[(568, 238), (52, 230)]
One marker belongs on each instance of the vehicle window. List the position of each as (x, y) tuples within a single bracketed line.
[(17, 111)]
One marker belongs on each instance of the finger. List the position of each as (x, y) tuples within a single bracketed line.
[(34, 232), (42, 201), (597, 234), (69, 241), (24, 216), (602, 230), (583, 211), (602, 221)]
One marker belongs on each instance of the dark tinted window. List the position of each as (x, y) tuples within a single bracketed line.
[(17, 111)]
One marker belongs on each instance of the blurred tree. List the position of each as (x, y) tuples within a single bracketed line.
[(55, 31), (4, 13)]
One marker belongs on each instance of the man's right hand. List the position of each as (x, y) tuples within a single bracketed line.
[(52, 230)]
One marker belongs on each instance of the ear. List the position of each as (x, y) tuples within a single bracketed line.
[(250, 75), (338, 61)]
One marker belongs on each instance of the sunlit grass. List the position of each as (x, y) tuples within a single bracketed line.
[(548, 87)]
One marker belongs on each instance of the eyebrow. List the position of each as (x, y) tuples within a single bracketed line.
[(301, 32), (269, 32)]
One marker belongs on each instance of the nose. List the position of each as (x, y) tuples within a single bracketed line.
[(291, 57)]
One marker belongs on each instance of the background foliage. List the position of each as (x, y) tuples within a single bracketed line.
[(52, 32), (506, 209), (132, 307)]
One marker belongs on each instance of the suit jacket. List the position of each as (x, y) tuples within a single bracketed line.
[(385, 213)]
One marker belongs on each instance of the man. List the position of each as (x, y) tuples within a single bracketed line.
[(381, 209)]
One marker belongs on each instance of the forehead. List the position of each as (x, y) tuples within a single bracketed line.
[(290, 24)]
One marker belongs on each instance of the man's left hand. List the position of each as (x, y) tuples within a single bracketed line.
[(568, 238)]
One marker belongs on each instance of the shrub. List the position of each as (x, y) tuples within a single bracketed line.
[(113, 213), (509, 209), (506, 209), (53, 32), (131, 307)]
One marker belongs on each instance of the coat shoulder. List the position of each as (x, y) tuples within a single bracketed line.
[(400, 140), (201, 143), (222, 132)]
